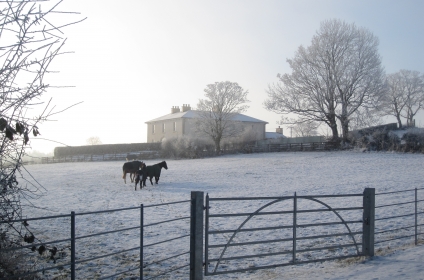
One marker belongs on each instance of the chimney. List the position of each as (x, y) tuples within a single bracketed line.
[(186, 107), (279, 130), (175, 109)]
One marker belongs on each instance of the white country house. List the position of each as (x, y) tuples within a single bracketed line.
[(182, 123)]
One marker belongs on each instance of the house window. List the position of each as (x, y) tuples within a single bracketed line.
[(163, 127), (175, 126), (153, 128)]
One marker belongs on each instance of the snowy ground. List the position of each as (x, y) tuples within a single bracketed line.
[(86, 187)]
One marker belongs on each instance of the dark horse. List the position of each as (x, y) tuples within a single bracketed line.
[(130, 167), (154, 171), (140, 176)]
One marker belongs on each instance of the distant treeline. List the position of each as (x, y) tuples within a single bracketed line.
[(106, 149)]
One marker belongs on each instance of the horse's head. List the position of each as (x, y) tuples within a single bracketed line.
[(164, 165)]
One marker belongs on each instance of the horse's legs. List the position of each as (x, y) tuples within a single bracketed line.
[(124, 176), (136, 182), (150, 178), (157, 180)]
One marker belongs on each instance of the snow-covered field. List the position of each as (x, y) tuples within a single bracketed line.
[(87, 187)]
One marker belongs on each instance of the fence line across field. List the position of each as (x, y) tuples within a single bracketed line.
[(143, 155), (354, 235)]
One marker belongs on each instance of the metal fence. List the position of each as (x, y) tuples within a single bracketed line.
[(81, 249), (399, 219), (240, 234)]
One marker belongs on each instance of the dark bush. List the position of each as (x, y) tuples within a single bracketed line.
[(376, 140), (413, 141), (13, 262), (383, 140)]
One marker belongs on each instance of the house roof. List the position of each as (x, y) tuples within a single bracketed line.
[(192, 114)]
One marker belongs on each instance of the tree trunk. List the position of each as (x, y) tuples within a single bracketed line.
[(217, 146), (345, 130), (334, 131), (344, 120), (411, 121), (331, 117), (399, 121)]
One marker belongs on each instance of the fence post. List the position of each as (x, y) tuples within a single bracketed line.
[(141, 240), (416, 216), (72, 245), (368, 220), (196, 236), (206, 235), (294, 226)]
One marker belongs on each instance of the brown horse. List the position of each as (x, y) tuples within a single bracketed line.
[(130, 167)]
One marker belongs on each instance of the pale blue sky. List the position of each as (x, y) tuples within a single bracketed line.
[(135, 59)]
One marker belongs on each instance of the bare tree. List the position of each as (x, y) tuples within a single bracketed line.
[(405, 95), (94, 140), (414, 94), (366, 117), (395, 100), (216, 115), (306, 129), (30, 39), (332, 79)]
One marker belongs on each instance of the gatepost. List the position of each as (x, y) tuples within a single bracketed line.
[(196, 236), (368, 222)]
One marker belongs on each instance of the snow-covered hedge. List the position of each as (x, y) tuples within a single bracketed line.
[(186, 147), (403, 140)]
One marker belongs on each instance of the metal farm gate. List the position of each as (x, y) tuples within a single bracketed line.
[(288, 230), (215, 236)]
